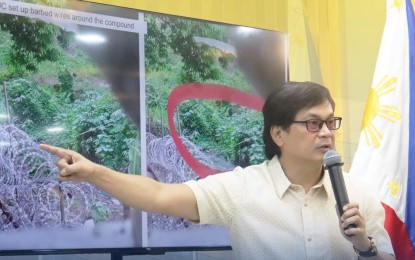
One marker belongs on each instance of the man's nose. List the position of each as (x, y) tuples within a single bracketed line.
[(325, 130)]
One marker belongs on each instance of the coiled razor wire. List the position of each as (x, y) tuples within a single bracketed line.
[(32, 197), (30, 194), (165, 164)]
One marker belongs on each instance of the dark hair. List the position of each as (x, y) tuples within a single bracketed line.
[(283, 104)]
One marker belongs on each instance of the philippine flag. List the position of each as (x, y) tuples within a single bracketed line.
[(385, 156)]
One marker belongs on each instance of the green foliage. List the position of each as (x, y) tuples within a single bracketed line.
[(63, 91), (91, 120), (34, 41), (4, 49), (30, 104), (66, 84), (168, 34), (158, 42), (248, 127), (134, 158), (93, 124), (233, 132), (158, 88), (199, 64), (100, 212), (216, 127), (74, 62), (65, 39), (100, 130), (235, 79)]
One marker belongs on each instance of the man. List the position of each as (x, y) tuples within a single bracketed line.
[(283, 208)]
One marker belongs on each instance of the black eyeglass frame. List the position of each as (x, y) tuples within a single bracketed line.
[(335, 119)]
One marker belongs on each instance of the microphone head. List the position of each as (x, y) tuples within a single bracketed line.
[(332, 157)]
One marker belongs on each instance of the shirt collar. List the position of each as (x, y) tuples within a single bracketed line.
[(282, 184)]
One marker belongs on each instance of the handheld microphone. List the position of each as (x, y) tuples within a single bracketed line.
[(333, 163)]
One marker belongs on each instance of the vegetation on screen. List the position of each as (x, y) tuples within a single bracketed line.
[(52, 92), (51, 82), (173, 57)]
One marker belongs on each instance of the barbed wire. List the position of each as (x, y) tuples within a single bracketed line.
[(165, 164), (31, 195)]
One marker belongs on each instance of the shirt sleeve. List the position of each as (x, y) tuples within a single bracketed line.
[(216, 196), (375, 228), (374, 215)]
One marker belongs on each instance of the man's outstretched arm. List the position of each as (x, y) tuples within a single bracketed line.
[(133, 190)]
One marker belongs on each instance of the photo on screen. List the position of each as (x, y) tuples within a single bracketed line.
[(203, 109), (171, 98)]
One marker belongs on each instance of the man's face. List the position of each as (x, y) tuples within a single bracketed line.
[(302, 145)]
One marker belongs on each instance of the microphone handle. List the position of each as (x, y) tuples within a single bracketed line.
[(339, 188)]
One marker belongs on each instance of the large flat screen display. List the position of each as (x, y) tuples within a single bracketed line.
[(167, 97)]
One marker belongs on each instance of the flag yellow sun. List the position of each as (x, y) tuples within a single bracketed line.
[(398, 4), (374, 109), (394, 187)]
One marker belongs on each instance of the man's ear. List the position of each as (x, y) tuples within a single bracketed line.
[(276, 135)]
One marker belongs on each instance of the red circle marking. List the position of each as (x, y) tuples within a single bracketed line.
[(205, 91)]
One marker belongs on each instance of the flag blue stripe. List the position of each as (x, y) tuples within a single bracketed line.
[(410, 197)]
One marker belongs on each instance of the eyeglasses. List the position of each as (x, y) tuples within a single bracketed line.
[(315, 125)]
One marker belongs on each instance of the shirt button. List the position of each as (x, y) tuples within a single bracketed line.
[(305, 204), (309, 239)]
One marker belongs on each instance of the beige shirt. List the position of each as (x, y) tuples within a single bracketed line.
[(270, 218)]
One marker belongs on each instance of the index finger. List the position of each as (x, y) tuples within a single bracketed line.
[(351, 205), (55, 150)]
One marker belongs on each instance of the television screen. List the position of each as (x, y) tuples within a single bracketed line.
[(171, 98)]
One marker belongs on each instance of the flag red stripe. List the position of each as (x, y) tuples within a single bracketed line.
[(399, 235)]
